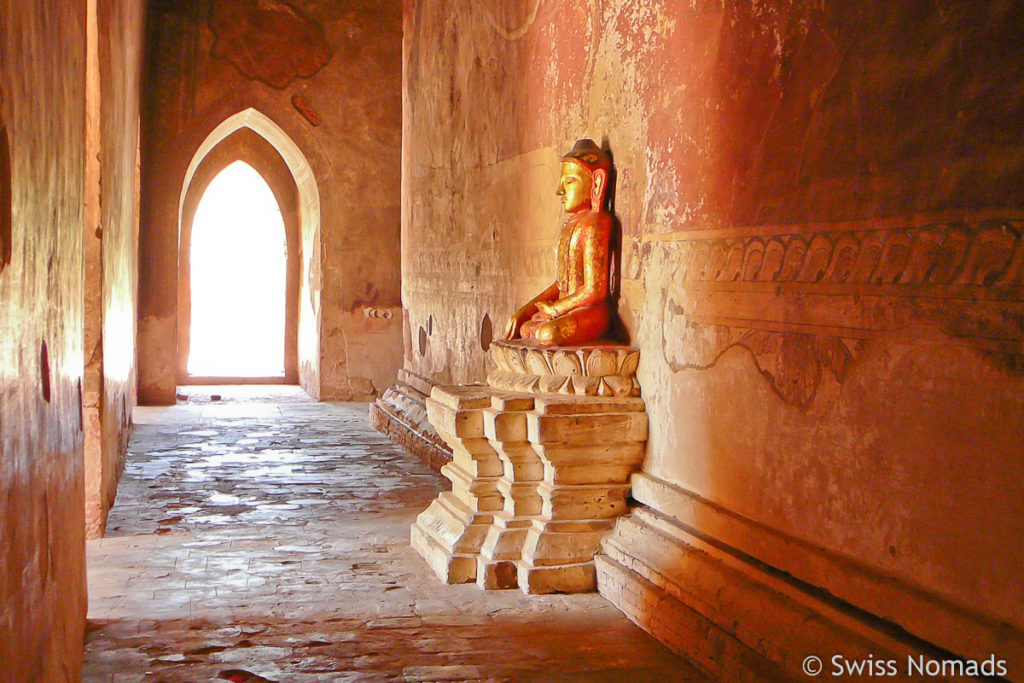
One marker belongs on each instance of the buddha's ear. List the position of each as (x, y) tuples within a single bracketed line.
[(598, 188)]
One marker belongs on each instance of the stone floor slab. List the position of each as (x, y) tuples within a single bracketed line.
[(269, 534)]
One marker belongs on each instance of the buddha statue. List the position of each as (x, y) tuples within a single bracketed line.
[(577, 307)]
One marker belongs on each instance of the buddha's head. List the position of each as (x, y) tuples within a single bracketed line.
[(584, 179)]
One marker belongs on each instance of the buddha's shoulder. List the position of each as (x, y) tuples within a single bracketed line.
[(594, 220)]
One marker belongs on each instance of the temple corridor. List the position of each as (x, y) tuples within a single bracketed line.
[(267, 533), (714, 307)]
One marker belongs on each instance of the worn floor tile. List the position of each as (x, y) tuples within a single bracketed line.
[(269, 534)]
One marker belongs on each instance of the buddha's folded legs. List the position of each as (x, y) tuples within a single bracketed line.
[(575, 327)]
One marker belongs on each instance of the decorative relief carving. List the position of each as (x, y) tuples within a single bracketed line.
[(588, 371), (802, 304), (950, 254)]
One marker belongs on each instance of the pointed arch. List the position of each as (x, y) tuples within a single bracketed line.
[(252, 137)]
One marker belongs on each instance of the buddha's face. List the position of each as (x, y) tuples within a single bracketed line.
[(574, 187)]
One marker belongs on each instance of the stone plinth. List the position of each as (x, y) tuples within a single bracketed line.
[(588, 446), (505, 426), (450, 532), (541, 466)]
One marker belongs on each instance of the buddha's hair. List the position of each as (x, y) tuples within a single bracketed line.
[(586, 153)]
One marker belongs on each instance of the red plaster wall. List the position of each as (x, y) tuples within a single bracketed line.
[(328, 75), (822, 213), (111, 253), (121, 24), (42, 575)]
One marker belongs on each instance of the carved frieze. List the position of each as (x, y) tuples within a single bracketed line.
[(803, 304), (989, 253)]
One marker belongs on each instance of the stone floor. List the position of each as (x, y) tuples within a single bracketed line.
[(266, 537)]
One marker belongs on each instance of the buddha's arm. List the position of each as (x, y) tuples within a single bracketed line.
[(594, 289), (524, 312)]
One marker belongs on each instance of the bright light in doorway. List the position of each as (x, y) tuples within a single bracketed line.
[(238, 263)]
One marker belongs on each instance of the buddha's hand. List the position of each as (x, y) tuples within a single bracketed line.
[(546, 310), (518, 318), (512, 328)]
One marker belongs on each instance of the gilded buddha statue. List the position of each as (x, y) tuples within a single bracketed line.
[(577, 307)]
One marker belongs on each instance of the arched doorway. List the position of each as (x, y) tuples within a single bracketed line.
[(253, 140), (238, 265)]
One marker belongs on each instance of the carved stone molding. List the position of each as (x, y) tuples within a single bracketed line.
[(804, 304), (987, 253), (608, 370)]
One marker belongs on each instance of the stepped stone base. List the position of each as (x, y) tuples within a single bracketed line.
[(448, 536), (539, 470), (401, 415), (451, 531), (570, 578), (496, 567)]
